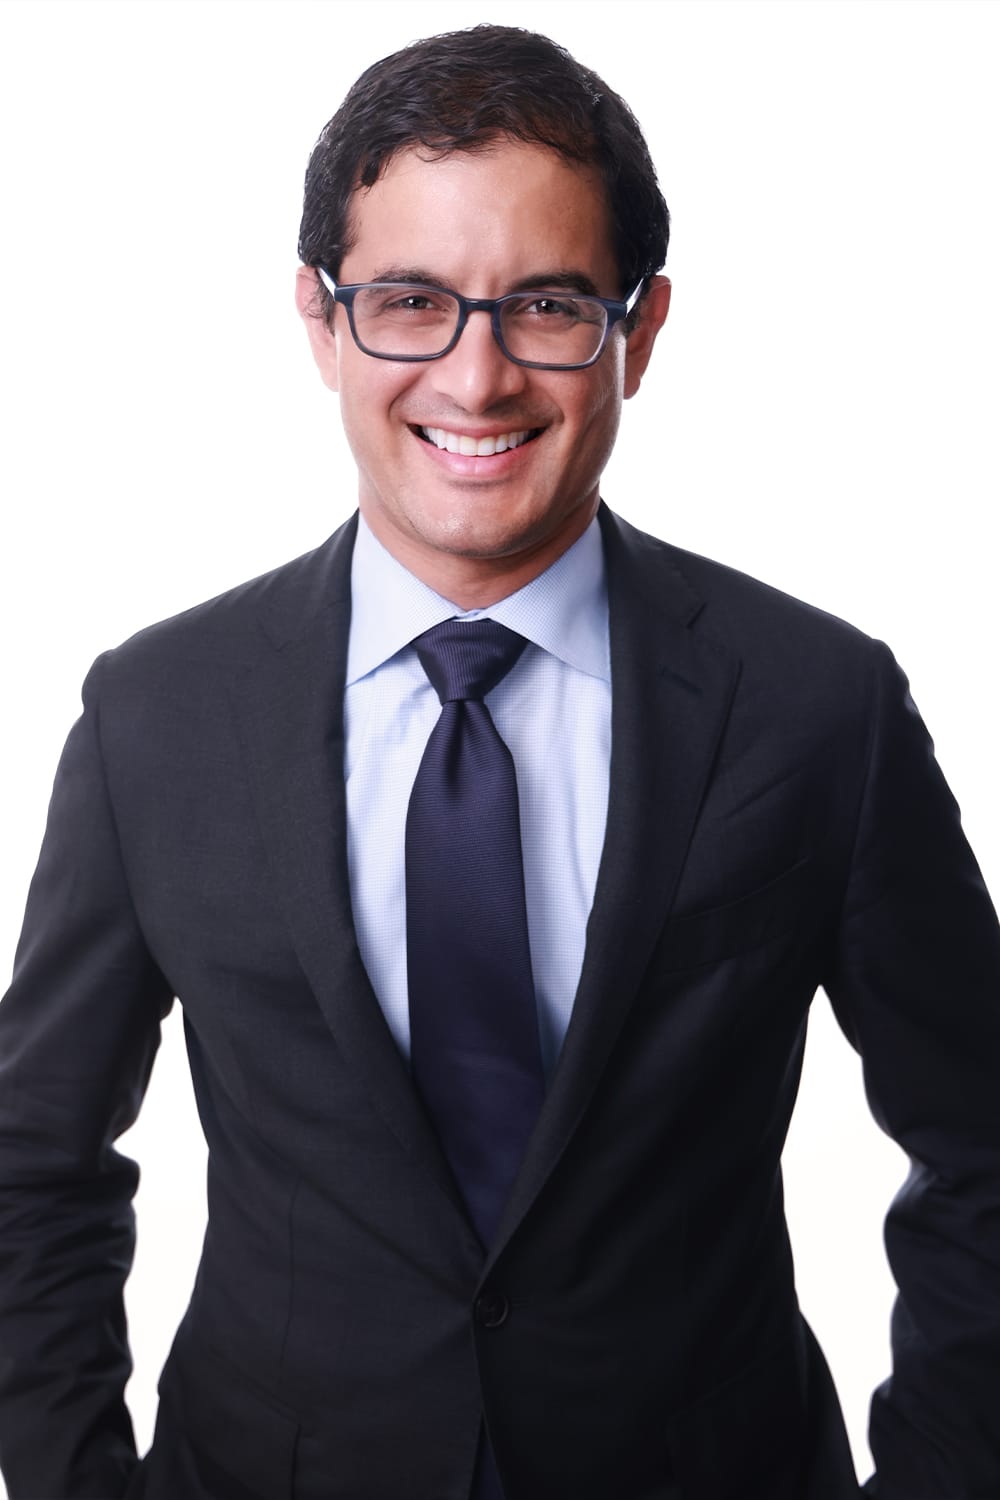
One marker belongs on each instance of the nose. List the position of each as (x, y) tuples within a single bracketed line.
[(476, 374)]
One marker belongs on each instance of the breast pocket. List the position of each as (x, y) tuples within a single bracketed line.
[(764, 914)]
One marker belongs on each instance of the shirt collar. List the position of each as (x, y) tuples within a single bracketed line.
[(564, 610)]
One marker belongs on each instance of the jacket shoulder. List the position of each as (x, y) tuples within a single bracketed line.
[(753, 619), (231, 628)]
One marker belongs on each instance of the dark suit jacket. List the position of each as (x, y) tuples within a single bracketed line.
[(776, 822)]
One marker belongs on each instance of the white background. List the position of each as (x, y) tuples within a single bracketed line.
[(821, 412)]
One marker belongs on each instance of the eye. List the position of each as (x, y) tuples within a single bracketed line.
[(405, 303), (552, 307), (564, 312), (412, 302)]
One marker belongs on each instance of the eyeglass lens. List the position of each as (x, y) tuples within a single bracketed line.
[(406, 321)]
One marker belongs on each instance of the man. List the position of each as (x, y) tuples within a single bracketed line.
[(495, 851)]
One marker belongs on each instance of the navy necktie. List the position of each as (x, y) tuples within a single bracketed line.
[(474, 1043)]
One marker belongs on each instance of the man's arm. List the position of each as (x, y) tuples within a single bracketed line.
[(78, 1032), (915, 982)]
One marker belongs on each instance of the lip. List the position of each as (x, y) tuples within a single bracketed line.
[(471, 466), (457, 440)]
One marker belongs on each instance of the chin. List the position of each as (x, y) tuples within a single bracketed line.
[(482, 537)]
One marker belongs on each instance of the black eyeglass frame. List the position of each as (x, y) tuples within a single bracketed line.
[(615, 312)]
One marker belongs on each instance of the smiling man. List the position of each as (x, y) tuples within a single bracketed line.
[(478, 469), (495, 852)]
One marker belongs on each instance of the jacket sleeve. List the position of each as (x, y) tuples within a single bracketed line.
[(915, 982), (78, 1032)]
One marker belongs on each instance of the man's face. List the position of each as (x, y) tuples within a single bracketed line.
[(482, 224)]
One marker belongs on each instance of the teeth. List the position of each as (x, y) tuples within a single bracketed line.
[(470, 447)]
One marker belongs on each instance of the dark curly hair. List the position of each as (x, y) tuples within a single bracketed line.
[(461, 91)]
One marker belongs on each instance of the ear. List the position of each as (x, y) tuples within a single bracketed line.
[(653, 310), (321, 337)]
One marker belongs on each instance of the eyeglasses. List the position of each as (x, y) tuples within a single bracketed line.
[(402, 320)]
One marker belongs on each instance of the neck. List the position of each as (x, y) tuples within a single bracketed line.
[(470, 581)]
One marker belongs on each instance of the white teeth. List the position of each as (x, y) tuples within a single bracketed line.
[(470, 447)]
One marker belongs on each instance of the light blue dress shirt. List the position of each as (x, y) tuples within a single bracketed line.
[(553, 710)]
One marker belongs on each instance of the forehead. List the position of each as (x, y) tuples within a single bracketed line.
[(496, 215)]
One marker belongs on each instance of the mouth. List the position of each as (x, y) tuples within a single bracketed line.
[(472, 447)]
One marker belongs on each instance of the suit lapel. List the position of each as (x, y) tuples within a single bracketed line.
[(672, 688), (291, 710)]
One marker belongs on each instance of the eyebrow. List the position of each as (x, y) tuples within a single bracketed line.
[(564, 279)]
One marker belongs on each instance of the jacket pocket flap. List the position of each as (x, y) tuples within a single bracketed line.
[(745, 1439), (244, 1443), (718, 932)]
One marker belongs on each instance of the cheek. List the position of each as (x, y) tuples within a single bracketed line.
[(367, 394), (603, 393), (599, 414)]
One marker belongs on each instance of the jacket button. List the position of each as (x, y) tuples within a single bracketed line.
[(491, 1309)]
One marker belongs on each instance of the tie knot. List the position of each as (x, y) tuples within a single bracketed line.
[(467, 658)]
